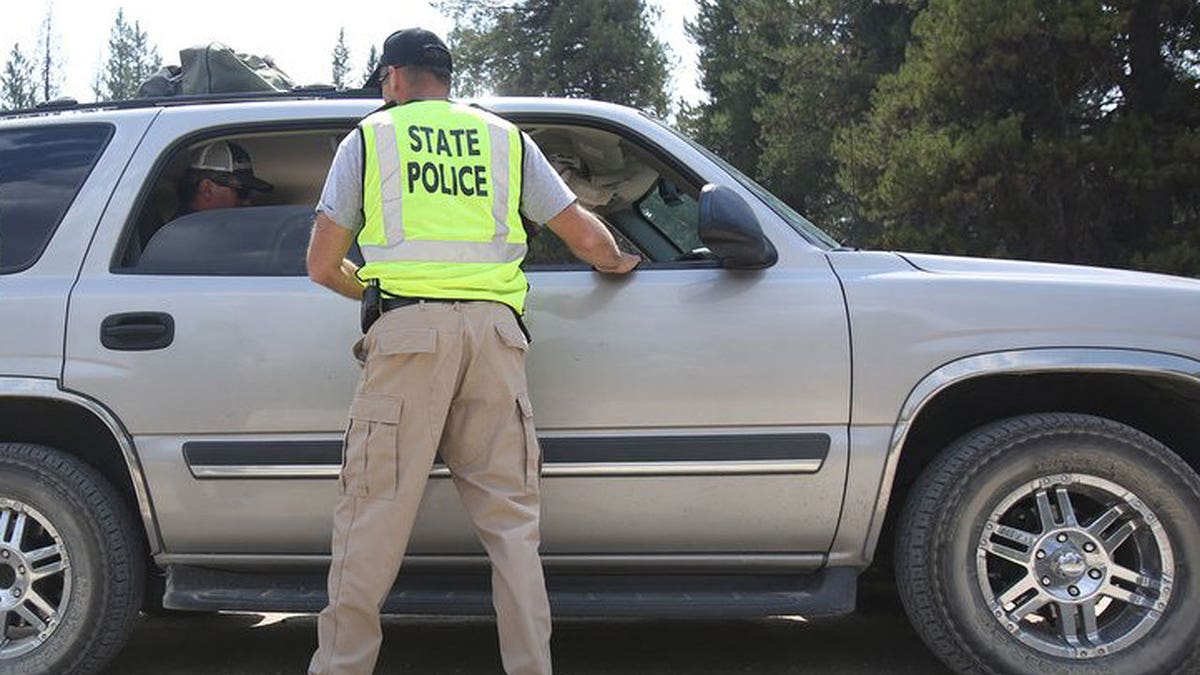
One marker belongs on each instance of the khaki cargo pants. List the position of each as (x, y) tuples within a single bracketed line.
[(448, 379)]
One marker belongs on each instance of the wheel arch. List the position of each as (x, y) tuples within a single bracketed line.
[(34, 410), (1154, 392)]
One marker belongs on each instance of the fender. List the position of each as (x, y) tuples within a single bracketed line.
[(38, 388), (1024, 361)]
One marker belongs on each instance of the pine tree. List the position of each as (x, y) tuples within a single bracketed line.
[(49, 64), (18, 86), (782, 77), (1065, 131), (726, 123), (372, 63), (341, 60), (131, 59), (599, 49)]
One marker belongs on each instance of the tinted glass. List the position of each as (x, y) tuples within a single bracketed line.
[(41, 171), (253, 241)]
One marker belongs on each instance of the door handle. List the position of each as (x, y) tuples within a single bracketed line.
[(137, 331)]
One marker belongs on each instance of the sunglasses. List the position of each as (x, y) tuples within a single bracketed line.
[(243, 191)]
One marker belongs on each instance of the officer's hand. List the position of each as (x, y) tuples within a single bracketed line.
[(624, 264)]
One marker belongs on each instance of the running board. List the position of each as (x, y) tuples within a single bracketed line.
[(830, 592)]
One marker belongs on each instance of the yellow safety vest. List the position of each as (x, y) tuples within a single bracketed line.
[(441, 199)]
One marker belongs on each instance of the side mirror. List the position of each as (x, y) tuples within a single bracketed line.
[(729, 228)]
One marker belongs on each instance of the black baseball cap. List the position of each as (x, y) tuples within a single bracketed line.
[(411, 47)]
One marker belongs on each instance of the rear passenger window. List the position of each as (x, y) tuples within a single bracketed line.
[(41, 171), (199, 220)]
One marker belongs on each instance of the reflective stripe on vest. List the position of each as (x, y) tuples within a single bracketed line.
[(442, 184)]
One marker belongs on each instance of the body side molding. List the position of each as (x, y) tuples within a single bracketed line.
[(673, 455)]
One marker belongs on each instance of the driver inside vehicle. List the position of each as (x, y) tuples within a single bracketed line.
[(219, 176)]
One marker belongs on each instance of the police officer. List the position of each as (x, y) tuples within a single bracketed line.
[(434, 191)]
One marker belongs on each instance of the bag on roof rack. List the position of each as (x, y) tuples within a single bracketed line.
[(214, 68), (166, 82)]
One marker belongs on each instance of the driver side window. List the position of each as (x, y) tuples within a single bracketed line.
[(649, 207)]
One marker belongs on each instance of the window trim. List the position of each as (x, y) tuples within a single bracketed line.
[(111, 130), (654, 267)]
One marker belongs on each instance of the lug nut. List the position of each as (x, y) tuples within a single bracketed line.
[(1089, 547), (1041, 555), (16, 592), (1074, 591), (3, 554), (1062, 538), (1045, 581), (21, 570), (1095, 574)]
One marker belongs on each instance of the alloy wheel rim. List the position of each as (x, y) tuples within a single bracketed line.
[(35, 579), (1075, 566)]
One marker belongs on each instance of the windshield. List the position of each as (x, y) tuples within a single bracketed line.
[(799, 223)]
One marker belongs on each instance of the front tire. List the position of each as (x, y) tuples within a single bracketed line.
[(71, 564), (1055, 543)]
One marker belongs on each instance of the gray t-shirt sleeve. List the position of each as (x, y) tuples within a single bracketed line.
[(543, 192), (341, 198)]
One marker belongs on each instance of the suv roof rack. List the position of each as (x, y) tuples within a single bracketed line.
[(307, 92)]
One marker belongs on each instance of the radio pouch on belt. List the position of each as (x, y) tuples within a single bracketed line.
[(372, 305)]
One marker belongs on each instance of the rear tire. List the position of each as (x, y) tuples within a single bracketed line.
[(71, 564), (1054, 543)]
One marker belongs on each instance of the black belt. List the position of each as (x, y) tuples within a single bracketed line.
[(389, 304)]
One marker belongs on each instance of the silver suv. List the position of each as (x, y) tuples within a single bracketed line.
[(737, 429)]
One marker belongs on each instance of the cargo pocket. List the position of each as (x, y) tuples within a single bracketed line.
[(512, 336), (533, 452), (370, 468)]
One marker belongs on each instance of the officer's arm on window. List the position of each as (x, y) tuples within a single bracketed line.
[(327, 263), (591, 241)]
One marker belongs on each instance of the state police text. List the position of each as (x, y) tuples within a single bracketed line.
[(470, 180)]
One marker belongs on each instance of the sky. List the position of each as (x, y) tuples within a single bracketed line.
[(300, 39)]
